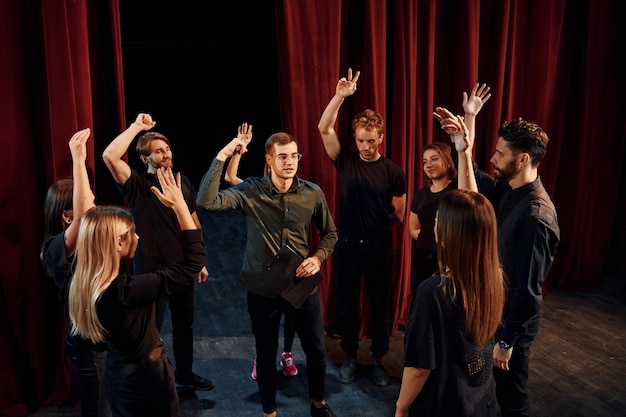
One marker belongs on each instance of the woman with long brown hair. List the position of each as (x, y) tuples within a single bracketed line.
[(454, 316)]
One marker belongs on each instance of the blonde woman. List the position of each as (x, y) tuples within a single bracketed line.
[(454, 316), (118, 308)]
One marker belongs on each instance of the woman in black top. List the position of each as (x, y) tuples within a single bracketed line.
[(65, 203), (455, 314), (106, 305), (441, 173)]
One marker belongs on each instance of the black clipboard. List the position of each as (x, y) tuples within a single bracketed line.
[(280, 276), (299, 289)]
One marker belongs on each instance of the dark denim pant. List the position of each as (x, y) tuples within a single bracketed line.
[(89, 368), (512, 385), (181, 305), (265, 314), (370, 260), (144, 388)]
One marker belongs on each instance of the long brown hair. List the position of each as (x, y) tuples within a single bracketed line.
[(58, 199), (467, 249)]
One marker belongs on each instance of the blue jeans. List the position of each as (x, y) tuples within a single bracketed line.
[(89, 367), (265, 314), (370, 260)]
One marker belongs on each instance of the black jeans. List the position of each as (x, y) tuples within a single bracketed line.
[(89, 368), (181, 305), (370, 259), (144, 388), (265, 314), (512, 385)]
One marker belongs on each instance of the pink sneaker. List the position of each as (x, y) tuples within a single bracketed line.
[(253, 374), (289, 368)]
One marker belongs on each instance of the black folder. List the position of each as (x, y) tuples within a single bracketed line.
[(280, 276)]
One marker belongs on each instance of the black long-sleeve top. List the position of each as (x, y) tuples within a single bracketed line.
[(272, 218), (528, 234), (126, 307)]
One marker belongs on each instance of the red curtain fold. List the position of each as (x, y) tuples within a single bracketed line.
[(305, 91), (47, 65)]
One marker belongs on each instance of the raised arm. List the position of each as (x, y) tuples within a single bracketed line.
[(82, 196), (172, 197), (326, 126), (113, 153), (208, 192), (463, 143), (244, 133), (472, 105), (230, 175)]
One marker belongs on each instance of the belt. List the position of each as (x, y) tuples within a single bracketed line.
[(357, 240)]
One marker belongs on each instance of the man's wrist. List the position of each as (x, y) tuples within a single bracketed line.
[(504, 345), (136, 126)]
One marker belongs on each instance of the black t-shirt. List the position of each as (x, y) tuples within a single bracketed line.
[(367, 189), (156, 224), (461, 379), (425, 204)]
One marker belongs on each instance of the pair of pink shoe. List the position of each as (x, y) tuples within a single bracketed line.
[(286, 361)]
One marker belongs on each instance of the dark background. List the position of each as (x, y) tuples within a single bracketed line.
[(201, 71)]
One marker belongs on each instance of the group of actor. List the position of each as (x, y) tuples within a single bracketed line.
[(482, 248)]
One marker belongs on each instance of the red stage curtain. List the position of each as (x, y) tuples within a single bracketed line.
[(550, 62), (50, 53)]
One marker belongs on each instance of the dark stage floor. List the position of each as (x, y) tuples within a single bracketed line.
[(577, 369)]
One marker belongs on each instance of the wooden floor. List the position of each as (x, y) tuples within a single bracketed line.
[(578, 364)]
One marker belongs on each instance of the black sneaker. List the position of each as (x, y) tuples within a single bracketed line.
[(346, 372), (379, 374), (323, 411), (195, 382)]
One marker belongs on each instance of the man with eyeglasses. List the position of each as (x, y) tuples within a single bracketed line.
[(373, 198), (279, 210)]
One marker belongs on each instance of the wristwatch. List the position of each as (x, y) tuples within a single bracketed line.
[(504, 345)]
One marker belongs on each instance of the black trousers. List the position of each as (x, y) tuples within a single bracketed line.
[(371, 261), (143, 388), (265, 314), (512, 385), (181, 305)]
